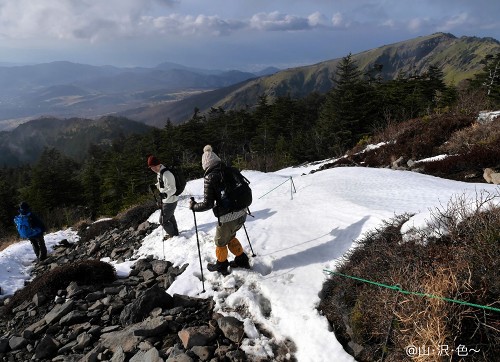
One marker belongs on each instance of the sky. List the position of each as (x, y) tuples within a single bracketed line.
[(226, 34), (296, 236)]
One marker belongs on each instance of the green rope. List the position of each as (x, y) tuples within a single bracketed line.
[(288, 179), (399, 289)]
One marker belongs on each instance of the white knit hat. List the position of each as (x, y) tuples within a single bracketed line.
[(209, 158)]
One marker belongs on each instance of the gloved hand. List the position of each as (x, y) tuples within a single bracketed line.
[(152, 188), (191, 204)]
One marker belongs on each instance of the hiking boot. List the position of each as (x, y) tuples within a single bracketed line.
[(241, 261), (166, 237), (220, 267)]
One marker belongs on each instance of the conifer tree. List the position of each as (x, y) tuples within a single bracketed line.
[(54, 183), (489, 78), (7, 205), (341, 118)]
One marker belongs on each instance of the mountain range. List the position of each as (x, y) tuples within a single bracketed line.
[(458, 58), (64, 89), (62, 104)]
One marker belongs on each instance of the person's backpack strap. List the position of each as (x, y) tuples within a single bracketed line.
[(180, 180), (162, 184)]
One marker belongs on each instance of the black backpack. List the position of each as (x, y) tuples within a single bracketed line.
[(235, 193), (180, 180)]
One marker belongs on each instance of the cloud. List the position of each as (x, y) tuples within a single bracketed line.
[(317, 19), (99, 21), (68, 19), (276, 21), (338, 20), (454, 22), (176, 24)]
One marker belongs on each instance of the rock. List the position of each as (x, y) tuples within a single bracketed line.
[(118, 356), (232, 328), (17, 342), (204, 353), (39, 299), (116, 320), (46, 348), (197, 336), (152, 327), (145, 303), (83, 340), (180, 358), (4, 345), (59, 311)]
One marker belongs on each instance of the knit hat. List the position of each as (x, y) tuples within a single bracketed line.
[(24, 207), (153, 161), (209, 158)]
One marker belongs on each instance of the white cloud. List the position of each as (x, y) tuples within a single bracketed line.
[(415, 24), (230, 33), (176, 24), (338, 20), (67, 19), (317, 19), (390, 23), (454, 22), (276, 21)]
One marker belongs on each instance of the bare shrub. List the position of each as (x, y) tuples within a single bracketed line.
[(478, 158), (84, 272), (470, 101), (464, 140), (88, 232), (413, 139), (457, 257), (136, 214)]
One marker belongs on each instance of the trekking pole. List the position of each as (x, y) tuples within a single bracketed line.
[(199, 252), (158, 203), (249, 243)]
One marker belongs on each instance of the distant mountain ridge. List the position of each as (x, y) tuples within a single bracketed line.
[(171, 91), (459, 59), (72, 137), (64, 89)]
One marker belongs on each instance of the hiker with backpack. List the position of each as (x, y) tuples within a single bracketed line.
[(29, 226), (230, 218), (168, 195)]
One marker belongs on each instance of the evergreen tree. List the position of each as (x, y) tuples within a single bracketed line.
[(341, 118), (91, 183), (54, 184), (8, 205), (489, 79)]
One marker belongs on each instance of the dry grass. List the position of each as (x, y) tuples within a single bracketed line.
[(414, 139), (7, 241), (462, 263), (423, 322), (464, 140)]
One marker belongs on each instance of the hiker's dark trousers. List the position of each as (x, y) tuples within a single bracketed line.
[(39, 247), (168, 219)]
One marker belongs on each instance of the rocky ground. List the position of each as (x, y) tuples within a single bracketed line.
[(67, 313)]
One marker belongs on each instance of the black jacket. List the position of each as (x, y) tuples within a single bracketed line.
[(211, 188)]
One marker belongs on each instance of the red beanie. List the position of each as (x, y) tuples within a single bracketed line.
[(153, 161)]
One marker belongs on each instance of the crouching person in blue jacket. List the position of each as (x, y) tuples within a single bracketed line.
[(29, 226)]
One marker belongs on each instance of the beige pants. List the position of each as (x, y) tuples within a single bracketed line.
[(226, 232)]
